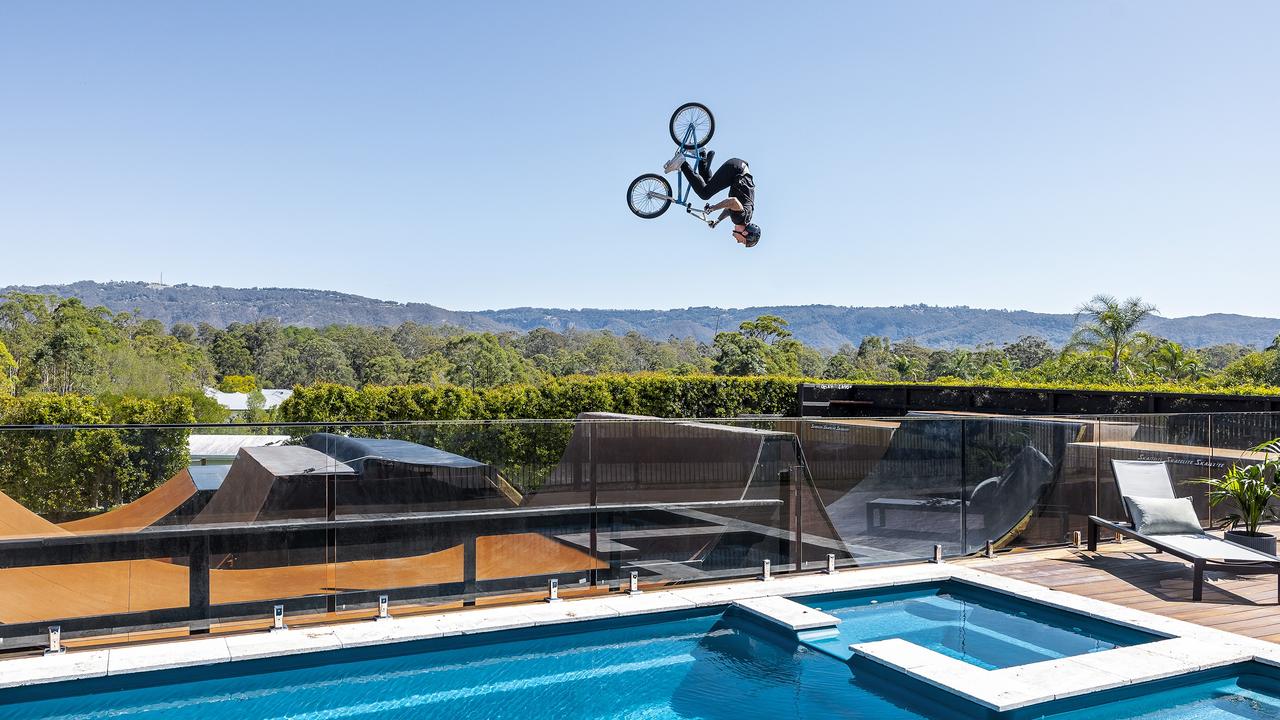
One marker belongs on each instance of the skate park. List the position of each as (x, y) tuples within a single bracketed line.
[(332, 517)]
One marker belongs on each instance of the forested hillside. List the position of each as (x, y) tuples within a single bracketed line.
[(50, 344), (824, 327)]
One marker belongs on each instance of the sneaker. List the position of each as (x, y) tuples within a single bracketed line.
[(704, 162), (674, 163)]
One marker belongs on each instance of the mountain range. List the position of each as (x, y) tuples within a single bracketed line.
[(823, 326)]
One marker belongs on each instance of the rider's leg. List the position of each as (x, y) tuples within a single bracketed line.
[(704, 164), (706, 189)]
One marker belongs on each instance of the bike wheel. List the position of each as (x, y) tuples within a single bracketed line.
[(696, 117), (649, 196)]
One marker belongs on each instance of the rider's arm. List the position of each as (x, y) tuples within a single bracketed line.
[(727, 204)]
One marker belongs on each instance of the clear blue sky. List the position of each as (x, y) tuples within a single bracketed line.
[(476, 155)]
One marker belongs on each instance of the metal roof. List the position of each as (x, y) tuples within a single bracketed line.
[(239, 402), (228, 445)]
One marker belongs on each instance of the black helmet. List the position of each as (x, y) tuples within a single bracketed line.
[(752, 235)]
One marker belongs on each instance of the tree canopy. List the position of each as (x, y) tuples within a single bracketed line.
[(60, 345)]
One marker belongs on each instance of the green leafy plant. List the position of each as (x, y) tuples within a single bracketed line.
[(1251, 487)]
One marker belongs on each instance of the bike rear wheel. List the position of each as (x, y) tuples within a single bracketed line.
[(649, 196), (693, 121)]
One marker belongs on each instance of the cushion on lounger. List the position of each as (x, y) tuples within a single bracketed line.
[(1163, 516)]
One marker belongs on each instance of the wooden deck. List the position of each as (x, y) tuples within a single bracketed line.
[(1134, 575)]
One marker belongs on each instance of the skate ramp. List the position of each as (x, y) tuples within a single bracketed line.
[(398, 476), (175, 502), (275, 483), (959, 482), (637, 460), (16, 521)]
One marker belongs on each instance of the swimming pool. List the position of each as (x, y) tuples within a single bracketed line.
[(1245, 692), (705, 663), (978, 626)]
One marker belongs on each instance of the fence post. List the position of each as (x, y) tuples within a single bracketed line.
[(798, 478), (198, 583), (593, 501), (55, 641), (468, 567), (786, 496), (964, 504)]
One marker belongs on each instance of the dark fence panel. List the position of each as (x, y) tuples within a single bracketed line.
[(856, 400)]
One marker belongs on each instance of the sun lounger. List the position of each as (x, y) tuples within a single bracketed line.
[(1142, 478)]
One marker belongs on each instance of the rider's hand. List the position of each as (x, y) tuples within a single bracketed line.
[(706, 208)]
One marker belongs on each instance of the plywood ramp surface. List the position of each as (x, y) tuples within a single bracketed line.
[(16, 521), (141, 513)]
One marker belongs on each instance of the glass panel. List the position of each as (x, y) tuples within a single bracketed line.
[(890, 489), (686, 501), (266, 517), (463, 511), (1181, 442), (1232, 437), (1028, 480), (324, 519)]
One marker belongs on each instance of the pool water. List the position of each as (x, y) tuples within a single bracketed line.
[(704, 665), (693, 667), (1242, 693), (978, 626)]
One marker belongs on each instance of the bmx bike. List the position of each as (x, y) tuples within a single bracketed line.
[(649, 195)]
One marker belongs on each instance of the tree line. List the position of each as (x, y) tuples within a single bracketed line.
[(59, 345)]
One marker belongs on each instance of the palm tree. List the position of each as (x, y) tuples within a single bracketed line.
[(1171, 362), (959, 363), (909, 368), (1113, 329)]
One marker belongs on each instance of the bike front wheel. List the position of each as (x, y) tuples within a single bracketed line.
[(692, 125), (649, 196)]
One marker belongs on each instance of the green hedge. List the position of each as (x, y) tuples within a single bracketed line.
[(62, 471), (639, 394), (705, 396)]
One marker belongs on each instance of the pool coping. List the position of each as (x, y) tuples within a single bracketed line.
[(1188, 647)]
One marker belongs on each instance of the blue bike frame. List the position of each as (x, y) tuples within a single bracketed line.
[(691, 154)]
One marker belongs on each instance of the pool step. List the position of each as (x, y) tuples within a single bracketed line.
[(787, 614)]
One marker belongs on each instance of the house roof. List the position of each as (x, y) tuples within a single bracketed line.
[(228, 445), (239, 402)]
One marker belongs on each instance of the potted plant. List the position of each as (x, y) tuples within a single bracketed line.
[(1251, 487)]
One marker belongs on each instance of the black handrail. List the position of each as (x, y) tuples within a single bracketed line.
[(197, 544)]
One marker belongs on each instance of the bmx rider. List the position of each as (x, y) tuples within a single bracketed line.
[(735, 175)]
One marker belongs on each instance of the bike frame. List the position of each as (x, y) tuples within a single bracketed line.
[(682, 192), (691, 154)]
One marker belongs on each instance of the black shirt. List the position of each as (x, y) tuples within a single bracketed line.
[(743, 188)]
